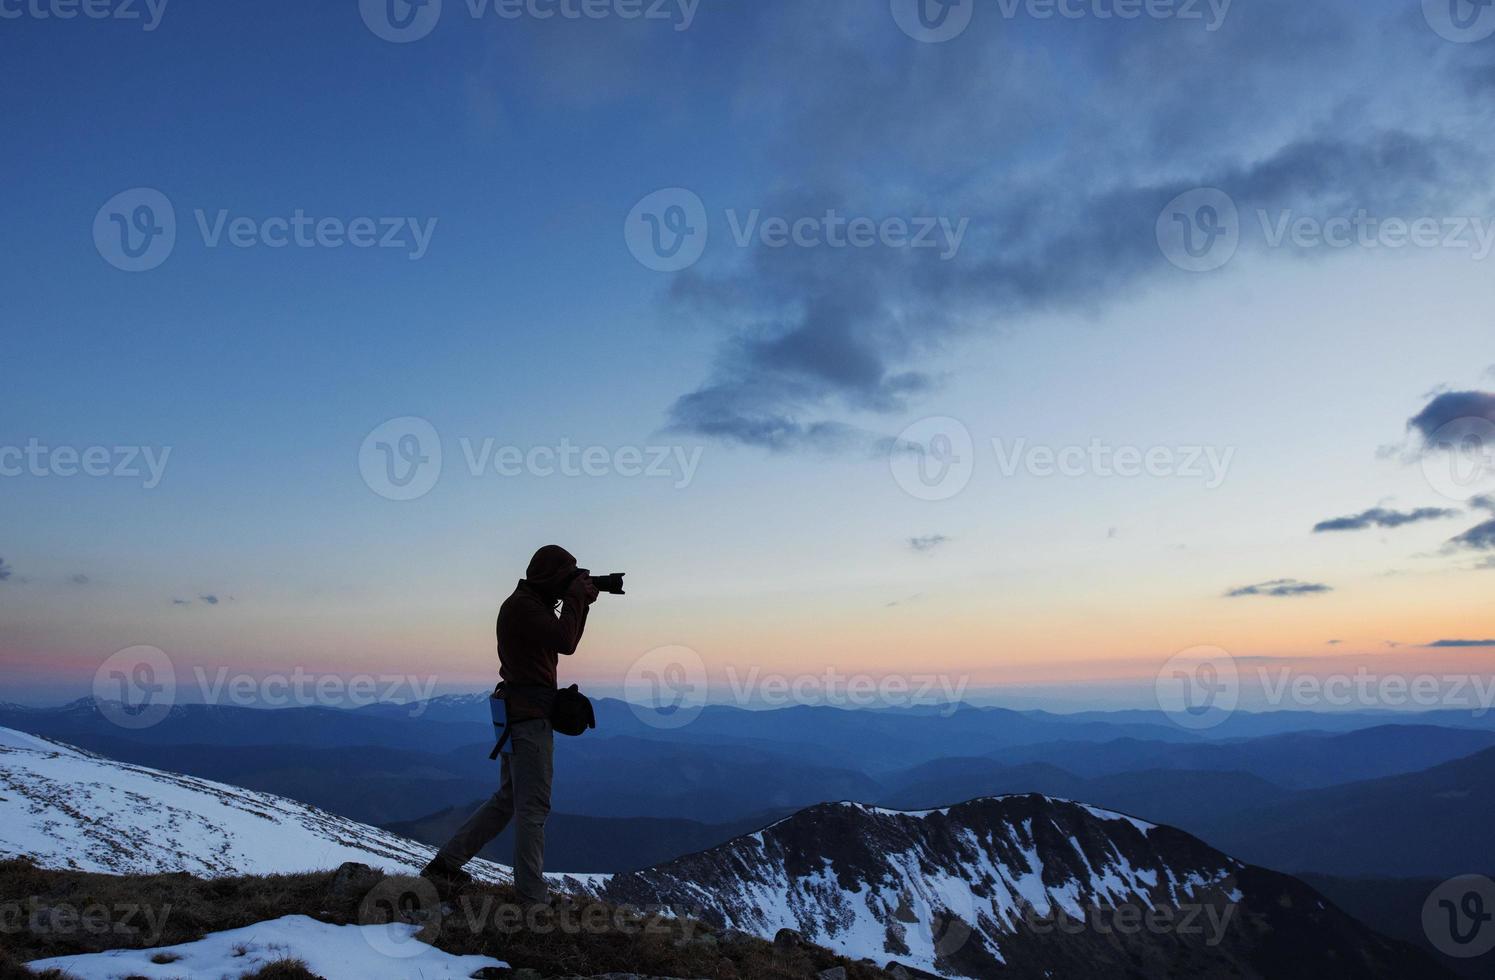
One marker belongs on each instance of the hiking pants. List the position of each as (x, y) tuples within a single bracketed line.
[(523, 796)]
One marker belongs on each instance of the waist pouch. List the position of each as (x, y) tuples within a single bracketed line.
[(570, 710)]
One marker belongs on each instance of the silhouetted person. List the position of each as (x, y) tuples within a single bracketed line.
[(531, 639)]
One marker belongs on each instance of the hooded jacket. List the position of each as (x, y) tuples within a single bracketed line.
[(532, 638)]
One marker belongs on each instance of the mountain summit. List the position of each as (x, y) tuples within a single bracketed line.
[(1018, 886)]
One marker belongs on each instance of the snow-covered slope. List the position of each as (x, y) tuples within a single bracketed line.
[(1021, 887), (67, 808)]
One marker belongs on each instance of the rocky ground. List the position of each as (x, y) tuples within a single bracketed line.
[(62, 913)]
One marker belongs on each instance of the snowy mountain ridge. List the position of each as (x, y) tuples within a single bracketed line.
[(70, 809)]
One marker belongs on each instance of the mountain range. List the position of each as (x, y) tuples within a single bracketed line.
[(1022, 886)]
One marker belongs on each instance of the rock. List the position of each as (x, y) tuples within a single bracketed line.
[(834, 973), (729, 937), (898, 971), (353, 878), (788, 939)]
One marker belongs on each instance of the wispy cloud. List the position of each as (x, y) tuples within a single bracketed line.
[(927, 543), (1458, 644), (78, 578), (1281, 588), (206, 598), (1382, 517)]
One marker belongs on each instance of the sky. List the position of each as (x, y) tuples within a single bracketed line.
[(1020, 352)]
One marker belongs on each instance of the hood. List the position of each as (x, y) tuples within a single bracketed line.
[(549, 569)]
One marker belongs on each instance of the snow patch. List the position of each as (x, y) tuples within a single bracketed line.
[(334, 952)]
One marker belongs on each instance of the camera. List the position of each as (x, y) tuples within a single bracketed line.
[(610, 584)]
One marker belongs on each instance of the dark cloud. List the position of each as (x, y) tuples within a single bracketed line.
[(814, 333), (211, 600), (78, 578), (1333, 643), (928, 542), (1480, 538), (1381, 517), (1463, 414), (1483, 502), (1281, 588), (813, 345), (1463, 643), (5, 570), (181, 602)]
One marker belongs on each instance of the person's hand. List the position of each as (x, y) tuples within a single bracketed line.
[(584, 590)]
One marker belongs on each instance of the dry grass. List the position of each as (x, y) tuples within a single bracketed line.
[(187, 908)]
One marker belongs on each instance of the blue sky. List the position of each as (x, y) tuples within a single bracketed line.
[(523, 145)]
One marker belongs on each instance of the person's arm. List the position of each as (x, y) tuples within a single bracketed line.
[(563, 633)]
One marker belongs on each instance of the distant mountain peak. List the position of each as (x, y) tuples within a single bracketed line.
[(982, 887)]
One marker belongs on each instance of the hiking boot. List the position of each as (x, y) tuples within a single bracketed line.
[(445, 875)]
